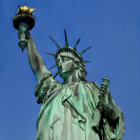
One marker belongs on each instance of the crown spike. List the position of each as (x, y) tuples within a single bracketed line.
[(87, 61), (52, 54), (52, 67), (55, 42), (66, 40), (56, 75), (75, 46), (85, 50)]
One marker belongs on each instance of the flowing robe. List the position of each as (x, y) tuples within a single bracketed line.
[(67, 112)]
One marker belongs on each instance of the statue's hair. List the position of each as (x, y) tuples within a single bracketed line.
[(80, 70)]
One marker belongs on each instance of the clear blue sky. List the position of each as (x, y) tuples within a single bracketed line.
[(112, 27)]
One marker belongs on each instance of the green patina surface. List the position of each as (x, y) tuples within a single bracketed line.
[(68, 113), (76, 109)]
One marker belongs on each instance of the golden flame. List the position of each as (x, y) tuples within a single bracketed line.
[(25, 9)]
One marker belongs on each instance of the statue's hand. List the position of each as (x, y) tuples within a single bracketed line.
[(108, 109), (27, 34)]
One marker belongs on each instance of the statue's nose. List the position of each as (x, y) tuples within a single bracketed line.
[(59, 65), (60, 61)]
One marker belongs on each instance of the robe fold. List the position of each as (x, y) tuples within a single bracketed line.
[(67, 112)]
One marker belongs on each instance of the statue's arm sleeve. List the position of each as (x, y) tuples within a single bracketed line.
[(45, 88), (36, 62)]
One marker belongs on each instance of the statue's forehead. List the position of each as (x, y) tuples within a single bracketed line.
[(66, 54)]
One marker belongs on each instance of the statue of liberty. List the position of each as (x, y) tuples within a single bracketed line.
[(76, 109)]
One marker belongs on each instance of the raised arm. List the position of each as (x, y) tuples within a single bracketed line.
[(36, 62)]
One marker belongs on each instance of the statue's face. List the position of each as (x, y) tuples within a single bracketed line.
[(65, 64)]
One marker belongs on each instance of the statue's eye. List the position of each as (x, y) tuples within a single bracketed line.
[(65, 59)]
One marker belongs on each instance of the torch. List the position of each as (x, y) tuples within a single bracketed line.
[(24, 21)]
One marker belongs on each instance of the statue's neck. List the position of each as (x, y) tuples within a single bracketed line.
[(73, 77)]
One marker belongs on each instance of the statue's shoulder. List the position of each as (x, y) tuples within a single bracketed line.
[(47, 81), (93, 84), (45, 86)]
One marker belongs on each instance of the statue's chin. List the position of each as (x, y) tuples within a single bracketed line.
[(65, 75)]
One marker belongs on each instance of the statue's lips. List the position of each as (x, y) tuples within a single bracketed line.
[(61, 69)]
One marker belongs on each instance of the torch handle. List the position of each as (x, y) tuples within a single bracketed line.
[(22, 35)]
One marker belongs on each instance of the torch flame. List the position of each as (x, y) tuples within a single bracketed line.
[(25, 9)]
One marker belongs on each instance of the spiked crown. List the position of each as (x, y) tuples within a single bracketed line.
[(68, 49)]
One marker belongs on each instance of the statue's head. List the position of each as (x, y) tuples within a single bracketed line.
[(65, 63), (68, 60)]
